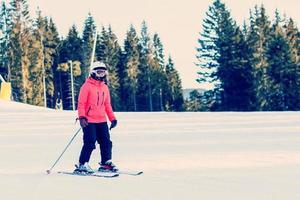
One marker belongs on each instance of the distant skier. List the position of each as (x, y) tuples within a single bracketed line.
[(93, 107), (58, 103)]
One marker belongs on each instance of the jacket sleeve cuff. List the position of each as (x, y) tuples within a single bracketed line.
[(112, 118)]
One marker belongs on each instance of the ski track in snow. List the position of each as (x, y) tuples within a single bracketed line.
[(222, 155)]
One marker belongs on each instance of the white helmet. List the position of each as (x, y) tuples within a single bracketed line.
[(98, 65), (98, 71)]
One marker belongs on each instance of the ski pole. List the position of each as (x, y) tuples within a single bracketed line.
[(49, 170)]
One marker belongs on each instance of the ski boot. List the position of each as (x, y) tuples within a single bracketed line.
[(108, 166), (83, 169)]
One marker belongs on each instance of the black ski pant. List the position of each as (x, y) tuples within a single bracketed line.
[(96, 132)]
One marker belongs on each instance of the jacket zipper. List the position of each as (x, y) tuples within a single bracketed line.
[(98, 98), (102, 98), (88, 111)]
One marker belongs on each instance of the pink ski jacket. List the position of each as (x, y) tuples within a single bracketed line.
[(94, 102)]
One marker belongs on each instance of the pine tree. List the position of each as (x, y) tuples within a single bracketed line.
[(159, 73), (239, 74), (129, 84), (88, 42), (194, 102), (4, 37), (53, 42), (18, 50), (207, 52), (155, 80), (109, 52), (284, 68), (50, 47), (222, 59), (228, 69), (145, 101), (279, 70), (102, 38), (175, 101), (258, 41), (70, 53), (158, 50), (42, 51), (36, 57), (293, 39)]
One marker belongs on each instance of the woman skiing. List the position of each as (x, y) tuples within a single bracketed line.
[(93, 107)]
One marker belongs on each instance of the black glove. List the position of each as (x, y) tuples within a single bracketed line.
[(83, 122), (113, 124)]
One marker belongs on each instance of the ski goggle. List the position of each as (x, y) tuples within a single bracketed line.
[(99, 72)]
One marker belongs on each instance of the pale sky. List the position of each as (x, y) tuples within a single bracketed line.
[(178, 23)]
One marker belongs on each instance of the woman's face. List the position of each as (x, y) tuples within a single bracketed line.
[(100, 73)]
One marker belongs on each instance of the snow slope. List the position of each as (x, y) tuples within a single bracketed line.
[(235, 156)]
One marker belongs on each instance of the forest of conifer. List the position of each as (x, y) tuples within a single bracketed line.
[(253, 67), (32, 53)]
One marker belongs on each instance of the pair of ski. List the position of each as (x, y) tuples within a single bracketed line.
[(104, 174)]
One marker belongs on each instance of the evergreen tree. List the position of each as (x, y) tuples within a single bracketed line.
[(50, 47), (158, 50), (109, 52), (160, 77), (258, 41), (155, 80), (42, 51), (209, 50), (129, 84), (145, 102), (52, 44), (228, 69), (4, 36), (19, 51), (70, 54), (194, 102), (282, 70), (222, 59), (174, 94), (36, 57), (238, 81), (292, 37), (279, 74), (101, 44), (88, 42)]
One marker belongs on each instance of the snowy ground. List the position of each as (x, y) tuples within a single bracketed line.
[(234, 156)]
